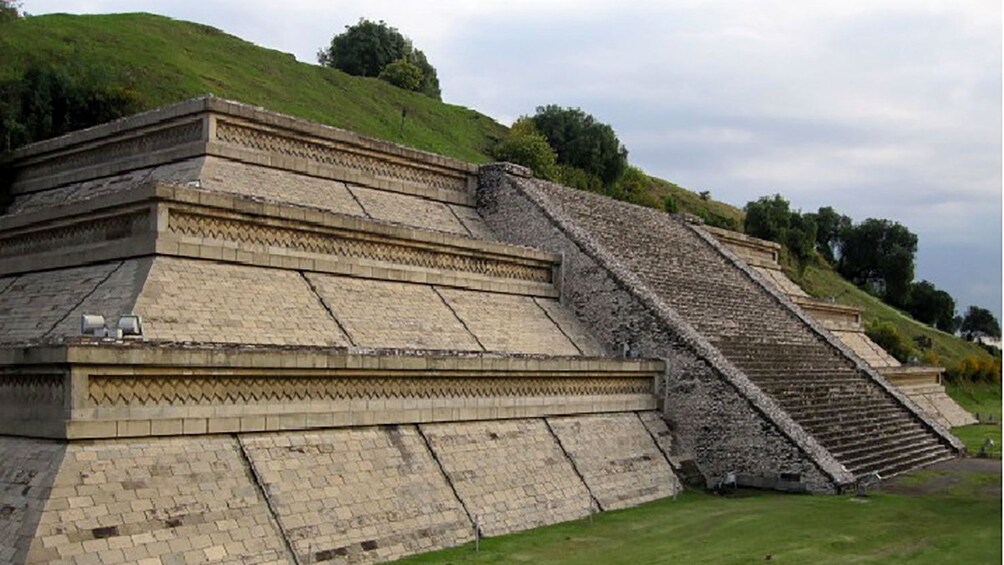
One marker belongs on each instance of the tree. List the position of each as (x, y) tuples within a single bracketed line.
[(932, 306), (880, 253), (579, 140), (9, 10), (831, 230), (367, 48), (771, 218), (979, 322)]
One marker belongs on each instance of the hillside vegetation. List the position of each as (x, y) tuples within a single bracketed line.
[(158, 60)]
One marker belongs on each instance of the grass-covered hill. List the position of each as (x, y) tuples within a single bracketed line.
[(159, 60)]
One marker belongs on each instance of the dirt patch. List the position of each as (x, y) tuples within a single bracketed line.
[(981, 477)]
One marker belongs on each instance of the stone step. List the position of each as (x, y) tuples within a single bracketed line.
[(855, 417), (900, 462), (814, 411), (842, 436), (905, 465), (871, 442), (887, 452), (822, 392)]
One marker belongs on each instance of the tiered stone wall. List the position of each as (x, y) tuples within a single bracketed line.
[(359, 495)]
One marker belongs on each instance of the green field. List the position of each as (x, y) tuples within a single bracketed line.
[(962, 525), (983, 399)]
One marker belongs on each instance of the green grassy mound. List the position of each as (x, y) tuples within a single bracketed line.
[(162, 60)]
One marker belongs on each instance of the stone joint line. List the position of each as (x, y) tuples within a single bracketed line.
[(459, 319), (571, 461), (84, 298), (262, 489), (557, 325), (446, 476), (327, 308)]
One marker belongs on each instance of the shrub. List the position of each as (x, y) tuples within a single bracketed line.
[(888, 337), (523, 145), (583, 142), (577, 178), (670, 205), (976, 369), (402, 74)]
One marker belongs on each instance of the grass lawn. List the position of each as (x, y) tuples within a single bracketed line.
[(960, 525), (983, 399)]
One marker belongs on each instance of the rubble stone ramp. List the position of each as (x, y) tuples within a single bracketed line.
[(723, 309)]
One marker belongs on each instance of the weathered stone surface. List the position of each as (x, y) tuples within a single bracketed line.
[(616, 457), (175, 500), (513, 324), (200, 301), (33, 305), (511, 475), (393, 315), (358, 495)]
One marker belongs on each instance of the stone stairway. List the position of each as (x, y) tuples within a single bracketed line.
[(855, 419)]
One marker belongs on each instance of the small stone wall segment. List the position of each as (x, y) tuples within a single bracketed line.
[(509, 323), (28, 469), (33, 305), (867, 349), (511, 475), (616, 457), (719, 417), (173, 500), (408, 210), (393, 315), (202, 301), (358, 495)]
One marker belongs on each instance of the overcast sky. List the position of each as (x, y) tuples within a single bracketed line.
[(879, 108)]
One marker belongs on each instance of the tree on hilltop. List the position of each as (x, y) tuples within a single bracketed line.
[(979, 322), (580, 141), (880, 253), (9, 10), (771, 218), (368, 48)]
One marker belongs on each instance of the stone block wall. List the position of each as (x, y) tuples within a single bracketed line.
[(348, 495), (717, 414), (511, 475), (358, 495), (177, 501), (616, 457)]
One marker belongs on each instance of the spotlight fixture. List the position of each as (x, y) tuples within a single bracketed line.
[(131, 325), (92, 325)]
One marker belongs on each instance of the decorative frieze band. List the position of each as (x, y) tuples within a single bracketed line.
[(351, 246), (336, 154), (142, 143), (31, 391), (64, 236), (153, 390)]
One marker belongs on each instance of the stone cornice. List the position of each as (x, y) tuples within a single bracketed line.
[(212, 126), (162, 219), (100, 389)]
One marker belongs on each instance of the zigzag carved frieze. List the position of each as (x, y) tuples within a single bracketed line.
[(108, 152), (61, 237), (336, 154), (228, 229), (19, 391), (208, 390)]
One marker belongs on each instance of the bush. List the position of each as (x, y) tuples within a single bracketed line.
[(771, 218), (577, 178), (402, 74), (976, 369), (583, 142), (523, 145), (888, 337), (670, 205)]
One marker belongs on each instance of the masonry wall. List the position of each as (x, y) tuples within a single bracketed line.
[(721, 419), (346, 495)]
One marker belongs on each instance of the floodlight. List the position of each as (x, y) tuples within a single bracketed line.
[(131, 325), (90, 324)]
